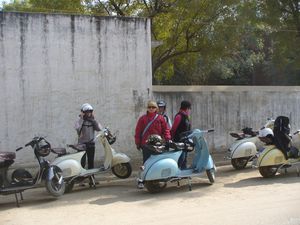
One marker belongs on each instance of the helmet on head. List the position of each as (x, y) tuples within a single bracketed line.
[(86, 107), (154, 139), (266, 135), (43, 147), (265, 132), (161, 103)]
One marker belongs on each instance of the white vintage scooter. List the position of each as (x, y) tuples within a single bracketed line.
[(246, 146), (73, 172)]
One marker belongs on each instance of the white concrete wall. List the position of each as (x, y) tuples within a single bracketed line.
[(51, 64), (231, 108)]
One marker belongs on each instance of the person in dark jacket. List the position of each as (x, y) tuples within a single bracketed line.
[(148, 124), (182, 124)]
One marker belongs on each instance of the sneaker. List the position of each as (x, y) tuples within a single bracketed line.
[(140, 185), (142, 168)]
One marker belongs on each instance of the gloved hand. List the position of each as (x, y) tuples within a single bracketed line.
[(168, 144)]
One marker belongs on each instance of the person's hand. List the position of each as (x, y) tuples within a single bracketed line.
[(138, 147), (81, 115), (88, 117), (167, 144)]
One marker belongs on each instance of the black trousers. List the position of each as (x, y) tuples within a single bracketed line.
[(147, 152), (89, 154)]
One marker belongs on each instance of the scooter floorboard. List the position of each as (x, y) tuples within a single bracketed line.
[(189, 173), (15, 189), (93, 171)]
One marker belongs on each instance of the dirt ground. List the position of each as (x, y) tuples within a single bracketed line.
[(237, 197)]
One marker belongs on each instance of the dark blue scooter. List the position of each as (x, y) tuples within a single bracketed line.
[(161, 168)]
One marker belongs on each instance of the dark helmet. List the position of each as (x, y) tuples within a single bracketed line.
[(161, 103), (44, 147), (185, 105), (154, 139)]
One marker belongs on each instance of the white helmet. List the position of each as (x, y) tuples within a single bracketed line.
[(264, 132), (86, 107)]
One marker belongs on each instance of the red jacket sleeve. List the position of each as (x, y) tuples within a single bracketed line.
[(138, 131)]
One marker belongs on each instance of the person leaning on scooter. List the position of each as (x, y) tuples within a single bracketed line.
[(182, 124), (149, 124), (86, 126)]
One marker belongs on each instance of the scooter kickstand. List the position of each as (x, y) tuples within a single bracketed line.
[(17, 200), (92, 182), (190, 183)]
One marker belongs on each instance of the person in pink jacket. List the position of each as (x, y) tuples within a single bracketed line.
[(148, 124)]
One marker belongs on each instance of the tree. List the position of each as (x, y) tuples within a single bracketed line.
[(206, 42)]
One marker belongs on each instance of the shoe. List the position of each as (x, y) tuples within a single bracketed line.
[(140, 185), (142, 168)]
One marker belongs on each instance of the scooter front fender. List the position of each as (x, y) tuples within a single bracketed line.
[(210, 163), (271, 156), (243, 149), (162, 169), (120, 158), (51, 173)]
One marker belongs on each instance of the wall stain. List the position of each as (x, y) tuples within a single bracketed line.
[(5, 142), (23, 30), (47, 81), (139, 103), (98, 29), (73, 41), (2, 19)]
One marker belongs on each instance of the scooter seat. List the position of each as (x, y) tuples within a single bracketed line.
[(5, 156), (59, 151)]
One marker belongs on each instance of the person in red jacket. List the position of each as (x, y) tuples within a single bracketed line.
[(148, 124)]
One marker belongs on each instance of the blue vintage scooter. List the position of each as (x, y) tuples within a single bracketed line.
[(163, 167)]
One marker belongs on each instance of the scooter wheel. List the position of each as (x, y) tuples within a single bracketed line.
[(53, 186), (155, 186), (268, 171), (211, 175), (239, 163), (122, 170), (21, 176)]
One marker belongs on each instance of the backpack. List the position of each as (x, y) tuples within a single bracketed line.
[(282, 124), (281, 133)]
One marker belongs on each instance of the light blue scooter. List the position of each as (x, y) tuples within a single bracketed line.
[(161, 168)]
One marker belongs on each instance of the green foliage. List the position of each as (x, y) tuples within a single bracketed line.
[(253, 42)]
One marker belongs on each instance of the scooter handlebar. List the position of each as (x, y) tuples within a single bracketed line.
[(18, 149), (297, 132)]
